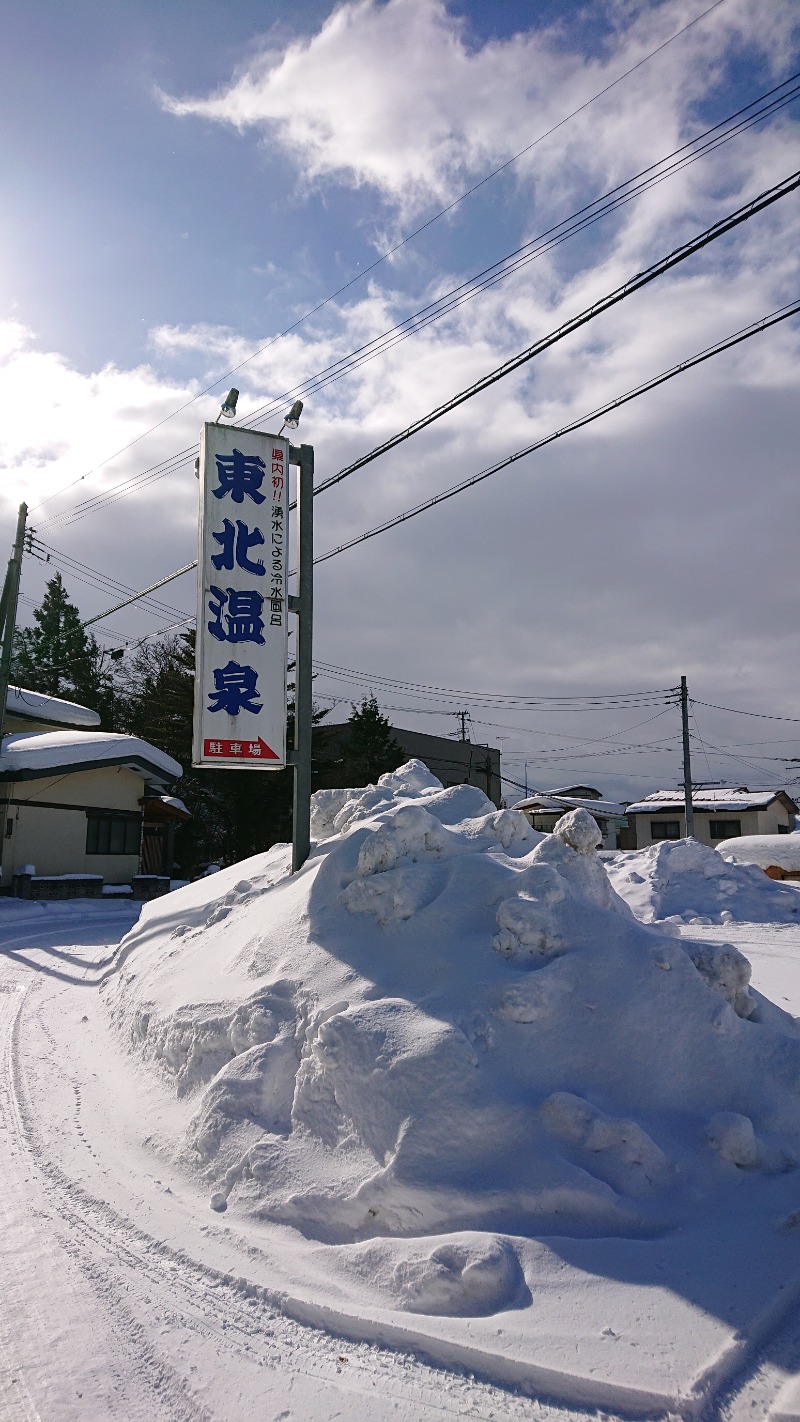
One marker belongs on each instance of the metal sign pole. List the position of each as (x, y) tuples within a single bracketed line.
[(303, 606)]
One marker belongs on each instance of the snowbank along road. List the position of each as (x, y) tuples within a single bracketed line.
[(125, 1296)]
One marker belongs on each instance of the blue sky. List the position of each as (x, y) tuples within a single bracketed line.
[(184, 181), (109, 225)]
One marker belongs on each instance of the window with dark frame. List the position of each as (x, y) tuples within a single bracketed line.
[(665, 829), (725, 829), (113, 834)]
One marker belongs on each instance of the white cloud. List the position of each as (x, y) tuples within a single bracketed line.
[(397, 96), (659, 542), (59, 423)]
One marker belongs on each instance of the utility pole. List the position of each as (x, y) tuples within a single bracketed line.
[(8, 610), (462, 717), (303, 606), (687, 764), (486, 769)]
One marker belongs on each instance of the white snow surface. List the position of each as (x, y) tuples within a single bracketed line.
[(688, 882), (39, 706), (175, 804), (764, 850), (45, 750), (449, 1022), (722, 799), (434, 1127)]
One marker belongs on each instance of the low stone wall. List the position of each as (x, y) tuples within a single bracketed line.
[(149, 886), (85, 886), (58, 886)]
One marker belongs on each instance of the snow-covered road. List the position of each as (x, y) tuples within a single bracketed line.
[(103, 1317), (119, 1300)]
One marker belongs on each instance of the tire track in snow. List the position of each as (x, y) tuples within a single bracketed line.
[(759, 1389), (16, 1400), (52, 1328), (236, 1318), (133, 1274)]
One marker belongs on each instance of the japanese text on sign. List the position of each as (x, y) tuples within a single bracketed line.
[(240, 693)]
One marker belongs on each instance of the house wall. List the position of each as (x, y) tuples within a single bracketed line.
[(546, 821), (768, 821), (48, 833), (14, 725), (453, 762)]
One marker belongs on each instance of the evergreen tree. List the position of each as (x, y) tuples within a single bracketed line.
[(370, 748), (59, 658), (235, 813)]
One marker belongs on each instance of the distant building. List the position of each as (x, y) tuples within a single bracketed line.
[(544, 809), (580, 792), (452, 762), (719, 814), (75, 800)]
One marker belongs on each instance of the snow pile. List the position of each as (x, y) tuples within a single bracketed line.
[(688, 882), (448, 1024), (764, 850)]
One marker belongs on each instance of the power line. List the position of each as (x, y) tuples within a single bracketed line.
[(581, 740), (92, 577), (128, 600), (700, 739), (748, 764), (764, 324), (621, 293), (761, 715), (543, 753), (474, 286), (359, 276), (543, 244), (608, 700)]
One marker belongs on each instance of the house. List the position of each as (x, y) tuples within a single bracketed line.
[(544, 808), (33, 711), (582, 792), (452, 762), (719, 814), (777, 854), (79, 801)]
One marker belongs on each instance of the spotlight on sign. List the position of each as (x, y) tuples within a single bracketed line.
[(292, 420), (228, 407)]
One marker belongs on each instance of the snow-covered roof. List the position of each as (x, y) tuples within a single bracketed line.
[(36, 706), (29, 755), (727, 798), (764, 850), (560, 803), (573, 790), (175, 804)]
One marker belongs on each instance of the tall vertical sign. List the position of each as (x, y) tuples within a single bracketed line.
[(240, 678)]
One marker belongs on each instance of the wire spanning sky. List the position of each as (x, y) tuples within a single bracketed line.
[(183, 184)]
